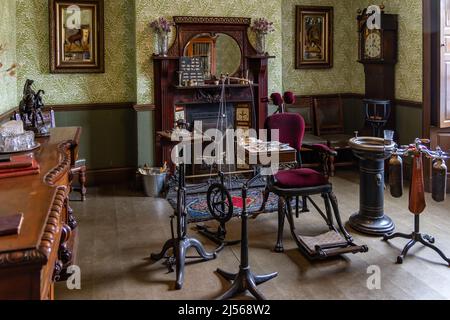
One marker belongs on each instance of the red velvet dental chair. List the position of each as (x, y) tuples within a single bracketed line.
[(303, 182)]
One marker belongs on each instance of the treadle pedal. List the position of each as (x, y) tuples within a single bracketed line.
[(327, 245)]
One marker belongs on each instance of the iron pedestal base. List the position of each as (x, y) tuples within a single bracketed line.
[(217, 237), (415, 237), (243, 281), (372, 226), (180, 248)]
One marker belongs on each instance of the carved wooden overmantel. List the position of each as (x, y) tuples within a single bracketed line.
[(167, 93)]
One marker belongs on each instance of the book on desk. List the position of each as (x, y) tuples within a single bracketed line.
[(20, 165), (10, 225)]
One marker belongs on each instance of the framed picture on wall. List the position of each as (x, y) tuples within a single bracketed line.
[(76, 36), (314, 37)]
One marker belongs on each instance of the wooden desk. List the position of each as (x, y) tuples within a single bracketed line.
[(39, 255)]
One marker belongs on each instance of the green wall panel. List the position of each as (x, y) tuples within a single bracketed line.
[(145, 125), (108, 139), (409, 123)]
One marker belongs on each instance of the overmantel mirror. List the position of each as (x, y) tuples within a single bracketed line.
[(220, 42), (219, 53)]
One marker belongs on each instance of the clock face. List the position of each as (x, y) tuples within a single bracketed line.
[(372, 48)]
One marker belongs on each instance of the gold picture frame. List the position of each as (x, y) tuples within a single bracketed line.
[(314, 37), (76, 36)]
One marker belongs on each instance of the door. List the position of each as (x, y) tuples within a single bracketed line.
[(444, 113)]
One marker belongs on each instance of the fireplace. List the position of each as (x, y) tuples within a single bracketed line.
[(200, 102), (207, 113)]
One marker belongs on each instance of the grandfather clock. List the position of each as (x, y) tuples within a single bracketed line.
[(378, 50)]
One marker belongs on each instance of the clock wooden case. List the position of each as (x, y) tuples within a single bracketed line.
[(378, 52), (378, 45)]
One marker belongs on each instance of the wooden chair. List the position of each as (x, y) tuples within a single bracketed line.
[(330, 127)]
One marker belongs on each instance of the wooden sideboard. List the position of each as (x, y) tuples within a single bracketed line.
[(32, 261)]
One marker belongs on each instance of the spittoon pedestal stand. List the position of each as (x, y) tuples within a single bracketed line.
[(371, 218)]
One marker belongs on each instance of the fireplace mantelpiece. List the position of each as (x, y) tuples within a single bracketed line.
[(168, 94)]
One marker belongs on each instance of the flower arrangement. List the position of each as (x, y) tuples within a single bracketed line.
[(162, 25), (262, 25), (11, 71)]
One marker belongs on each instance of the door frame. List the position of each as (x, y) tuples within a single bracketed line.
[(431, 79), (431, 64)]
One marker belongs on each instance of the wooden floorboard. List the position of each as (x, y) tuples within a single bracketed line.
[(119, 228)]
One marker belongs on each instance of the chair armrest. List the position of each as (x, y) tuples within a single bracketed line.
[(325, 153), (321, 148)]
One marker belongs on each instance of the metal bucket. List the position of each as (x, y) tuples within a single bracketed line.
[(154, 182)]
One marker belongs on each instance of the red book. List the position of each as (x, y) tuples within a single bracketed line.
[(22, 161), (10, 225), (33, 166), (19, 173)]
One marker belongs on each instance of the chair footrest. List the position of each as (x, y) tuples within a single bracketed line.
[(327, 245)]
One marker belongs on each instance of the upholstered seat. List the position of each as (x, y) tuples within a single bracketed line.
[(300, 178)]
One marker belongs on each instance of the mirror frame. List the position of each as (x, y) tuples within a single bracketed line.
[(218, 34), (187, 27)]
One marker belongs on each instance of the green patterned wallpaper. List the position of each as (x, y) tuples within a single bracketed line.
[(149, 10), (346, 74), (129, 46), (8, 56), (409, 73), (117, 84)]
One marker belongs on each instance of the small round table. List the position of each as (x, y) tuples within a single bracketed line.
[(372, 153)]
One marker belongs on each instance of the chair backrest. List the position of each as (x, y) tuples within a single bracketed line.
[(291, 128), (329, 115), (304, 106)]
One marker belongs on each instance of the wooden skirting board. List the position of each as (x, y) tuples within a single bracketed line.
[(97, 177)]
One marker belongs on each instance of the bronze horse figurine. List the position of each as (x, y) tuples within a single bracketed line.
[(30, 107)]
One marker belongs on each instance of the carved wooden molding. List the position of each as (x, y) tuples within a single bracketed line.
[(51, 232), (211, 20), (64, 165)]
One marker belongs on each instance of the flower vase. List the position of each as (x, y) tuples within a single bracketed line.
[(156, 42), (163, 43), (261, 43)]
